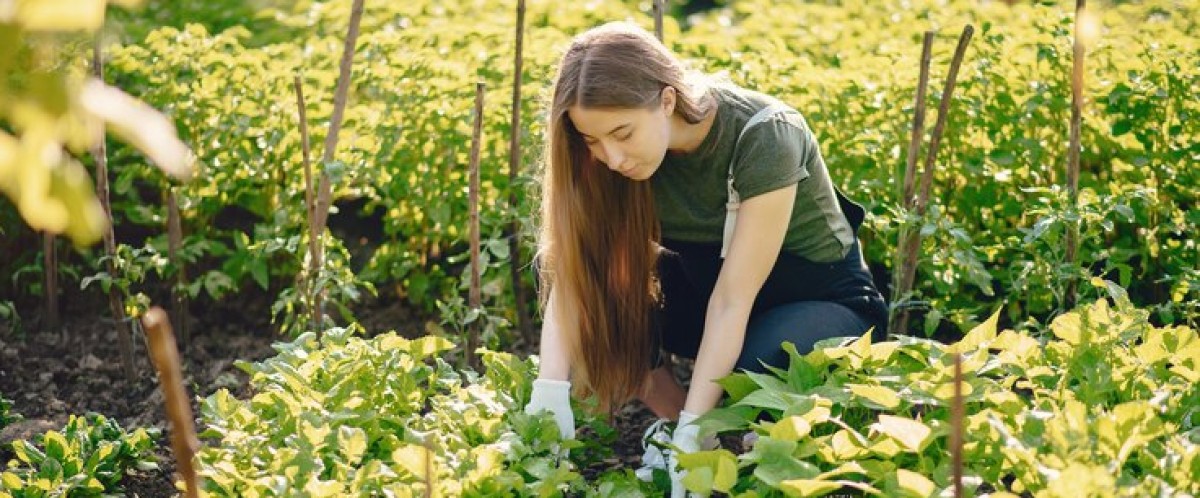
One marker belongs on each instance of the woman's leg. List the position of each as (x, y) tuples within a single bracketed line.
[(802, 323)]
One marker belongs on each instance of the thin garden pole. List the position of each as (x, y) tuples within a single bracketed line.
[(165, 355), (313, 298), (922, 201), (900, 284), (179, 298), (475, 297), (115, 304), (659, 7), (1080, 51), (50, 280), (514, 165), (325, 191), (956, 421)]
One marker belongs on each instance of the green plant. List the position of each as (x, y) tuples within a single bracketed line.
[(87, 458), (7, 415), (10, 318), (133, 265), (1103, 394), (347, 415)]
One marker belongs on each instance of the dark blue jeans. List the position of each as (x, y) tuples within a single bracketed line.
[(801, 302)]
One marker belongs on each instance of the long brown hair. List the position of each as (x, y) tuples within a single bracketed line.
[(599, 232)]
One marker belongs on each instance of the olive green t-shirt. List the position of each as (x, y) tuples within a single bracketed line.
[(689, 189)]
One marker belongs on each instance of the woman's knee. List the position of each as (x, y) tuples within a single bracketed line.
[(803, 324)]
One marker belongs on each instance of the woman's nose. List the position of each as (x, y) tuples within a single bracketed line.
[(613, 156)]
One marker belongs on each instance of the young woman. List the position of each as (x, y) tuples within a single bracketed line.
[(685, 215)]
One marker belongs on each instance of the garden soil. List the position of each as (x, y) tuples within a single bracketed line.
[(77, 370)]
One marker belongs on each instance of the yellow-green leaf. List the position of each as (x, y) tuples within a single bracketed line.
[(879, 395), (791, 428), (1067, 327), (413, 458), (914, 484), (11, 481), (978, 337), (808, 487), (911, 434)]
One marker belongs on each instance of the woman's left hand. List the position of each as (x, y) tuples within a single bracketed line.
[(686, 439)]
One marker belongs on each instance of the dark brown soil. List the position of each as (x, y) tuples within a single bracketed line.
[(78, 370)]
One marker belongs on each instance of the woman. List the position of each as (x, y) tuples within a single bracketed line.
[(685, 215)]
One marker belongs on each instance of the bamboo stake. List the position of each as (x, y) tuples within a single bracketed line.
[(899, 288), (314, 237), (659, 7), (115, 305), (475, 297), (179, 298), (50, 281), (325, 191), (1080, 51), (918, 131), (956, 422), (910, 251), (514, 165), (165, 354)]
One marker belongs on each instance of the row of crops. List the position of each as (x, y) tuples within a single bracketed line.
[(1102, 394), (993, 236)]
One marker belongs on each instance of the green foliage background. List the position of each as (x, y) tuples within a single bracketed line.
[(993, 235)]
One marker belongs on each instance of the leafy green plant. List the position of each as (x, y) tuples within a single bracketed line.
[(132, 265), (388, 415), (7, 415), (1103, 394), (11, 318), (87, 458), (336, 281)]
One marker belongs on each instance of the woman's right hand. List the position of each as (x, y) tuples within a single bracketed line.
[(554, 396)]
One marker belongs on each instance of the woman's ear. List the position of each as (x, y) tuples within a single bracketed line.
[(668, 99)]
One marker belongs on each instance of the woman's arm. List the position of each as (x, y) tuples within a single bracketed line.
[(554, 355), (762, 223)]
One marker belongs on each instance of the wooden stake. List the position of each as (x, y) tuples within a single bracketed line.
[(50, 281), (912, 248), (475, 297), (165, 354), (1080, 51), (325, 191), (659, 7), (313, 298), (179, 298), (115, 304), (956, 422), (514, 165), (900, 285)]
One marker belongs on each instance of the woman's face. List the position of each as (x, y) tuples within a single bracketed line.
[(630, 141)]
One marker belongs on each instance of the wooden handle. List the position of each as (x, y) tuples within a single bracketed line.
[(165, 354)]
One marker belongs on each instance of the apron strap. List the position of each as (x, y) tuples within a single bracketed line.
[(733, 201)]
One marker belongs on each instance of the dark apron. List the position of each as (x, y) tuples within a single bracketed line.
[(689, 270)]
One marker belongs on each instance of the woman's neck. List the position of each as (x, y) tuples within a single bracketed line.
[(687, 137)]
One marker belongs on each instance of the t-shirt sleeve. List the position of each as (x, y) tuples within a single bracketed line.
[(772, 155)]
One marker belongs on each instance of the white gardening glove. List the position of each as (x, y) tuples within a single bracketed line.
[(554, 396), (687, 440)]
